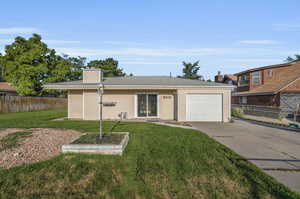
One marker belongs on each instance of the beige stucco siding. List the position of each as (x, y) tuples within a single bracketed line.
[(91, 76), (166, 105), (75, 108), (90, 105), (84, 104), (124, 101), (226, 95)]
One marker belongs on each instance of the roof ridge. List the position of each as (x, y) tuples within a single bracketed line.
[(265, 67)]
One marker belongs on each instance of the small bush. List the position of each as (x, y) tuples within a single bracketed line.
[(281, 116), (237, 112)]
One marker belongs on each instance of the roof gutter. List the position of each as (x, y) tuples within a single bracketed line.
[(253, 94), (95, 86)]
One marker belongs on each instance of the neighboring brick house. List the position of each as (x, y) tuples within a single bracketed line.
[(226, 79), (6, 89), (274, 85)]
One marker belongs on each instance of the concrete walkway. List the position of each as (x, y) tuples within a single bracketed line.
[(275, 151)]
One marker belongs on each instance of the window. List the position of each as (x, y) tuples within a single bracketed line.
[(244, 80), (270, 73), (147, 105), (256, 78), (243, 100)]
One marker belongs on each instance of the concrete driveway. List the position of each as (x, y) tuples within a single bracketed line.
[(275, 151)]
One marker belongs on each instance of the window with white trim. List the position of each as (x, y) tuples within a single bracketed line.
[(256, 77), (270, 73)]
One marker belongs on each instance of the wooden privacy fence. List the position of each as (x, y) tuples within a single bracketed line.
[(10, 104)]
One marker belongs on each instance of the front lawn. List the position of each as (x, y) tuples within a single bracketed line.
[(159, 162)]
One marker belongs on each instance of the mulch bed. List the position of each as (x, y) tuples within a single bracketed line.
[(43, 144), (94, 139)]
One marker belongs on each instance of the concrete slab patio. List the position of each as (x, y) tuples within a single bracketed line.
[(275, 151)]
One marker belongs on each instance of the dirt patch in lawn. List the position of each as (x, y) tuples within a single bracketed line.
[(113, 138), (42, 144)]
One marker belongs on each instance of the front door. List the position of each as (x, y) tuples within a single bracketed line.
[(147, 105)]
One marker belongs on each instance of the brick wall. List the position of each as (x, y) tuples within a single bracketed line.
[(261, 100)]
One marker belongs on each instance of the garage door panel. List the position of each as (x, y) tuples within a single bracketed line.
[(204, 107)]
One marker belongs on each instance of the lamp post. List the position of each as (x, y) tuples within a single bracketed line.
[(100, 92)]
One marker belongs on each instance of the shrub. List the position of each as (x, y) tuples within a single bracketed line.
[(237, 112), (281, 116)]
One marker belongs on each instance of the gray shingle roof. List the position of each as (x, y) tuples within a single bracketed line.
[(143, 80)]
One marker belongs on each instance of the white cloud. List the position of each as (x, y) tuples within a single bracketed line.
[(121, 43), (166, 52), (254, 60), (6, 41), (50, 41), (177, 52), (149, 63), (266, 42), (17, 30), (287, 26)]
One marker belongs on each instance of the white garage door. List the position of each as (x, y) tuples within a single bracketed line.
[(204, 107)]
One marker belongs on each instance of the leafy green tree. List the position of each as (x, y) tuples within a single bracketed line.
[(29, 63), (25, 63), (65, 68), (109, 66), (190, 70), (1, 68), (291, 59)]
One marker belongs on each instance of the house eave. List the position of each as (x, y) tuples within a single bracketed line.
[(262, 68), (95, 86), (253, 94)]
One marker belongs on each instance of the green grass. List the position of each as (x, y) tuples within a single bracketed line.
[(159, 162), (13, 140)]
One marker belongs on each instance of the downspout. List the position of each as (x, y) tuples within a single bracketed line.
[(100, 93)]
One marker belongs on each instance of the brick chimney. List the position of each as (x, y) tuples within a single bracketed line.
[(219, 77), (92, 75)]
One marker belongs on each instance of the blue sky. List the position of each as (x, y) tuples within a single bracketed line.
[(153, 37)]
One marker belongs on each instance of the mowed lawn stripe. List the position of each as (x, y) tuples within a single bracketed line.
[(159, 162)]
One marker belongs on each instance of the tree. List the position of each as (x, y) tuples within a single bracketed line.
[(109, 67), (190, 70), (29, 63), (65, 68), (291, 59), (1, 68), (25, 63)]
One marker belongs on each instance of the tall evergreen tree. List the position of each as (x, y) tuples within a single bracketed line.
[(190, 70)]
